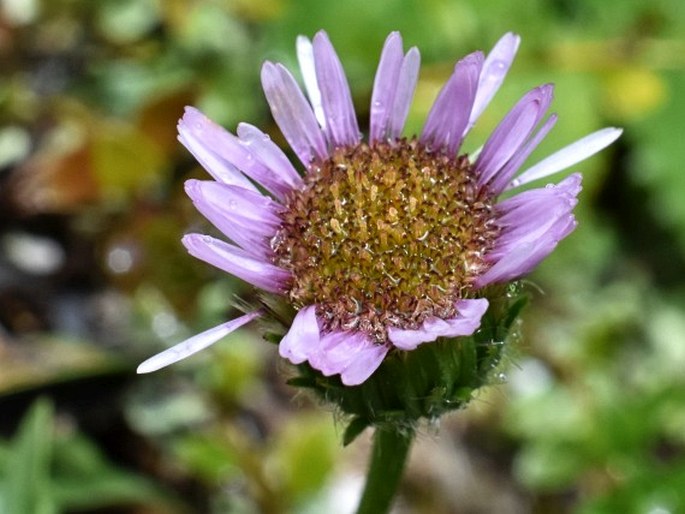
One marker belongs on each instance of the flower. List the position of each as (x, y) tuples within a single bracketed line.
[(380, 245)]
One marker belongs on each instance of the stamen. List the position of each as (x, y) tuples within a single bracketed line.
[(385, 235)]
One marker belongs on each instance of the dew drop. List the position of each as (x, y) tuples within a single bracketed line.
[(499, 65)]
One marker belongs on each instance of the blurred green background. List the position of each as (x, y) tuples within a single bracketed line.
[(590, 413)]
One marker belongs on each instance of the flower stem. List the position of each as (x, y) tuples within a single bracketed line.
[(388, 455)]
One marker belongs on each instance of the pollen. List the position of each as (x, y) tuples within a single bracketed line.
[(385, 235)]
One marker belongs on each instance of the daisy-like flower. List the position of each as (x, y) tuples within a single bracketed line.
[(383, 244)]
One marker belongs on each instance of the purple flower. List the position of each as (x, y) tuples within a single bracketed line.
[(385, 244)]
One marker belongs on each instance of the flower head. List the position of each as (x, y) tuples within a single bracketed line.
[(384, 244)]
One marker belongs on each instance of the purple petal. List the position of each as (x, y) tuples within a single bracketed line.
[(449, 115), (194, 344), (303, 338), (567, 188), (236, 261), (367, 360), (527, 215), (404, 94), (199, 135), (502, 179), (512, 132), (533, 223), (234, 151), (249, 218), (336, 351), (353, 355), (569, 155), (293, 114), (495, 69), (522, 259), (385, 86), (341, 122), (464, 324), (270, 156), (305, 58)]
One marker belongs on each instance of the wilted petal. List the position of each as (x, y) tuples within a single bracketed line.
[(465, 323), (293, 114), (341, 121), (569, 155), (236, 261), (303, 338), (194, 344)]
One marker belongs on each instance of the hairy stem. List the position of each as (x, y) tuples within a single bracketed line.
[(388, 456)]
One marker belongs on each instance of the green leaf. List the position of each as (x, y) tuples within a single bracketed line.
[(26, 479), (354, 429), (84, 479)]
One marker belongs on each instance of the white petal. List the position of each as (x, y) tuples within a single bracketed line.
[(194, 344), (495, 69), (569, 155), (305, 57)]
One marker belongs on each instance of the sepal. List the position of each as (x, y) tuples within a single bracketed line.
[(429, 381)]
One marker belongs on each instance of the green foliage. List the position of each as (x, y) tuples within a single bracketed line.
[(89, 98), (45, 471), (26, 465)]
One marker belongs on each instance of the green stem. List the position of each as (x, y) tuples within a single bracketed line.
[(388, 455)]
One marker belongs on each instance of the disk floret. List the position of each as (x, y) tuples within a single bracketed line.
[(383, 235)]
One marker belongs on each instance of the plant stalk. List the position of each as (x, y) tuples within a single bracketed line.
[(388, 456)]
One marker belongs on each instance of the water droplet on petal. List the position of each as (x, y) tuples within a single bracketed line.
[(499, 65)]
